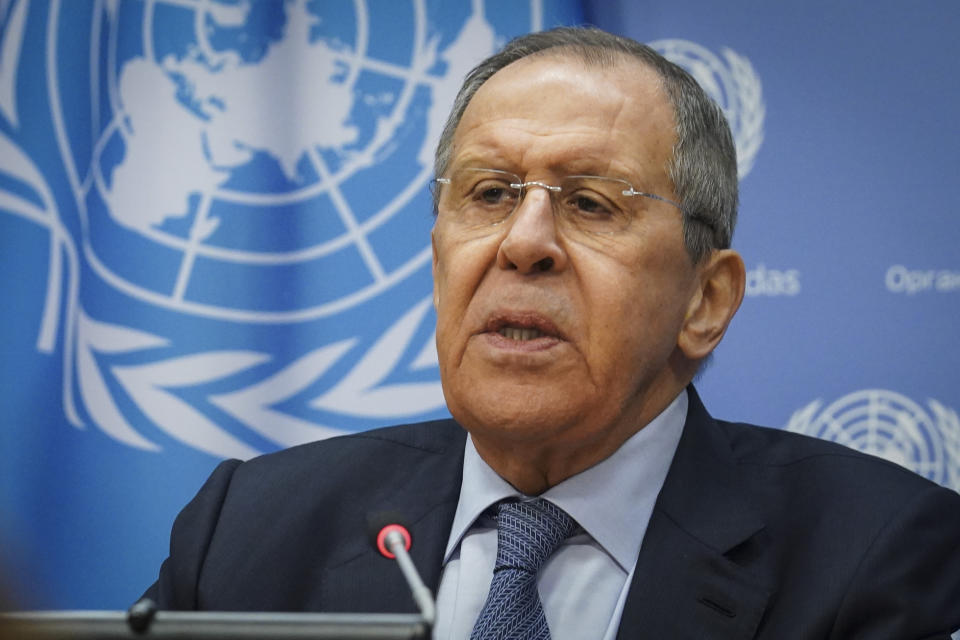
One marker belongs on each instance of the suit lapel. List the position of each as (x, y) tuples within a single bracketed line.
[(359, 579), (693, 577)]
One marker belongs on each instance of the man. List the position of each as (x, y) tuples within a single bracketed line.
[(586, 198)]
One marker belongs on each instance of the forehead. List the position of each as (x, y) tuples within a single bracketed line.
[(559, 112)]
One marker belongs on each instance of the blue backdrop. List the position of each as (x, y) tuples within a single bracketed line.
[(214, 229)]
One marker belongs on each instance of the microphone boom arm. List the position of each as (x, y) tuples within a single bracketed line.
[(395, 542)]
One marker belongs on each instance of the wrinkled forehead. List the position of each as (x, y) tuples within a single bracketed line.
[(615, 109), (616, 69)]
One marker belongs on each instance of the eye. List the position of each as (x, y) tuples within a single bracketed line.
[(589, 205), (594, 204), (493, 193)]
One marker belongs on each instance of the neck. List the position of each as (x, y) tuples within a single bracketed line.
[(533, 465)]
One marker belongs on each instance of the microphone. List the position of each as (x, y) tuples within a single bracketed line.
[(392, 540)]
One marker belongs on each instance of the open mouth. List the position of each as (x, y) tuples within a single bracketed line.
[(520, 334), (523, 327)]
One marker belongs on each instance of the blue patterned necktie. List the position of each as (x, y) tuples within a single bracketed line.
[(527, 533)]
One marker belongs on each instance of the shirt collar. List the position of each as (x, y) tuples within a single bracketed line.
[(612, 500)]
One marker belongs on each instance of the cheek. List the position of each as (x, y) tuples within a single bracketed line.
[(459, 270), (636, 301)]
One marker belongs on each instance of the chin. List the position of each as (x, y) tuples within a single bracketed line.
[(518, 416)]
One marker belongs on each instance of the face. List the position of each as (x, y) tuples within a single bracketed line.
[(550, 341)]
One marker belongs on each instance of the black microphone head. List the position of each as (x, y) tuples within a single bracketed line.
[(381, 523)]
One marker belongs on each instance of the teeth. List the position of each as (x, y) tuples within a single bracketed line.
[(515, 333)]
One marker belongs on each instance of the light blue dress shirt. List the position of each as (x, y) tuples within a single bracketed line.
[(584, 584)]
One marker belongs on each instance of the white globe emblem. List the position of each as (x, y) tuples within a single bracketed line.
[(733, 84), (241, 158), (892, 426), (248, 171)]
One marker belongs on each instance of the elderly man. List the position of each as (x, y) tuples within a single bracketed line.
[(586, 197)]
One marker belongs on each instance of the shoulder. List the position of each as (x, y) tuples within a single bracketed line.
[(317, 484), (265, 517), (438, 436), (781, 466), (843, 532), (775, 452), (384, 455), (810, 490), (881, 539), (336, 468), (823, 491)]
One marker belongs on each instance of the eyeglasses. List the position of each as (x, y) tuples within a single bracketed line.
[(589, 204)]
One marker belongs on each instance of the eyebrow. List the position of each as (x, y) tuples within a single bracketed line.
[(577, 167)]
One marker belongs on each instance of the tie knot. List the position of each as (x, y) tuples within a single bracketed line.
[(529, 532)]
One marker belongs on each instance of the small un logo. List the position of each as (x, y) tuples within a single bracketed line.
[(892, 426), (733, 84)]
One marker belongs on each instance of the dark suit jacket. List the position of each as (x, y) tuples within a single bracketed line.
[(757, 533)]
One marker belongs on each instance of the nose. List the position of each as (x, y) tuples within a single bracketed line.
[(532, 243)]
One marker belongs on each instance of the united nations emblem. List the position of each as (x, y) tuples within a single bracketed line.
[(733, 84), (892, 426), (236, 205)]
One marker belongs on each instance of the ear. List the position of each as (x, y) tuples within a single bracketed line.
[(722, 279), (435, 268)]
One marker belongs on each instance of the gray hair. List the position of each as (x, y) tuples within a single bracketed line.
[(704, 163)]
